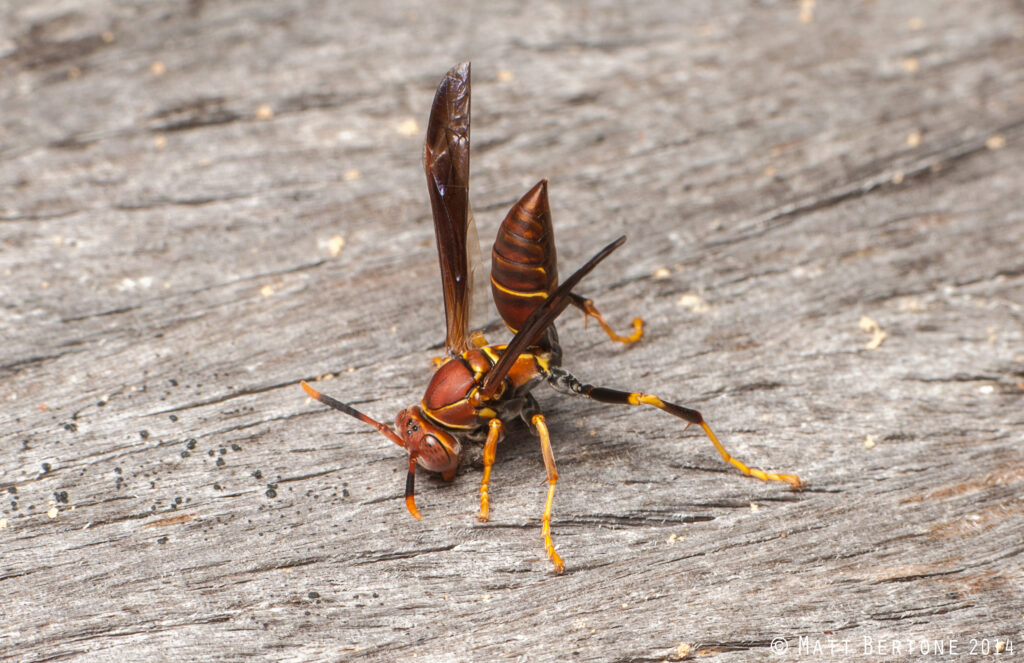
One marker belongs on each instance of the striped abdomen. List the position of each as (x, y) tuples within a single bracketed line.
[(524, 269)]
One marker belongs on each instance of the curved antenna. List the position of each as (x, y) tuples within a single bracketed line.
[(410, 477), (384, 429)]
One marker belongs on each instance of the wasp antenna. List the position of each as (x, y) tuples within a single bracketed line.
[(384, 429), (410, 488)]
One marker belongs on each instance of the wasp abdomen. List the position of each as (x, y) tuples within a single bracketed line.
[(524, 269)]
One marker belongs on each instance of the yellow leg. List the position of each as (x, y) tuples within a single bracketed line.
[(496, 430), (649, 399), (549, 465), (591, 311), (792, 479)]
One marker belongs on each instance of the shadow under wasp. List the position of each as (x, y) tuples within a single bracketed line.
[(477, 386)]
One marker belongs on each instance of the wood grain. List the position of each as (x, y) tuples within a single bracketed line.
[(176, 177)]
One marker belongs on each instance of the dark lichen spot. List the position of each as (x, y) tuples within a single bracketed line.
[(220, 462), (61, 496), (257, 474), (313, 595), (71, 427), (190, 443), (46, 467), (185, 454), (173, 417), (236, 447), (162, 540), (144, 434)]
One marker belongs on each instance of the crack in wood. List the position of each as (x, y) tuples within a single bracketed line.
[(923, 166), (375, 558)]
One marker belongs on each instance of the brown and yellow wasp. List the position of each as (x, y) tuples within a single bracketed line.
[(477, 386)]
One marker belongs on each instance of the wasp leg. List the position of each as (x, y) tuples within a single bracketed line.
[(549, 465), (566, 383), (590, 311), (496, 430)]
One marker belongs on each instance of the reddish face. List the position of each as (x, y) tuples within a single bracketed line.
[(435, 449)]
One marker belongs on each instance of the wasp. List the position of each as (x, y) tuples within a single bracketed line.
[(477, 387)]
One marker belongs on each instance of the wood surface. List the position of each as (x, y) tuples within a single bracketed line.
[(177, 180)]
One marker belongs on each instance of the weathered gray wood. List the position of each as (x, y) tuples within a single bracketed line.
[(169, 492)]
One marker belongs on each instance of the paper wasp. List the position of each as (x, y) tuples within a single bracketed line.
[(477, 387)]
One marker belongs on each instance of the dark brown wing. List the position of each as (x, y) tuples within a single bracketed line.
[(446, 161), (539, 321)]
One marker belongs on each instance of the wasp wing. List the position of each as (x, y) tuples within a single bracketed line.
[(538, 322), (446, 162)]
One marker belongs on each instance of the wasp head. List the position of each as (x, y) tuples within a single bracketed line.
[(434, 448)]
